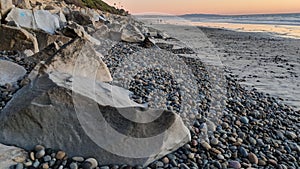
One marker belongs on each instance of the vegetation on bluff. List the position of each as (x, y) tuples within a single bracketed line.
[(97, 4)]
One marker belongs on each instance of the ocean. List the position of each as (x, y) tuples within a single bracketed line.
[(283, 25)]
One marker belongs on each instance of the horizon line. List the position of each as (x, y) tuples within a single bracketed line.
[(161, 13)]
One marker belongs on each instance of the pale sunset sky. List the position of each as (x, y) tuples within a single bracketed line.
[(209, 6)]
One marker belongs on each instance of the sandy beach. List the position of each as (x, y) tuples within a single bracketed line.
[(269, 64)]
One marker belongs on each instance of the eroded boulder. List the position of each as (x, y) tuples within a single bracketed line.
[(74, 30), (10, 72), (22, 17), (63, 111), (131, 33), (13, 38), (37, 19), (10, 155)]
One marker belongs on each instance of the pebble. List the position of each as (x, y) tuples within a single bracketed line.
[(107, 167), (166, 160), (244, 120), (194, 143), (47, 158), (191, 155), (225, 125), (28, 163), (93, 161), (253, 158), (273, 162), (262, 162), (78, 159), (31, 155), (74, 166), (252, 141), (214, 141), (39, 148), (220, 157), (40, 154), (205, 145), (184, 166), (19, 166), (36, 163), (60, 155), (243, 152), (291, 135), (235, 164), (86, 165), (45, 166)]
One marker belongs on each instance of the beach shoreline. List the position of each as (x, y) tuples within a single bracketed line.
[(257, 60), (260, 60)]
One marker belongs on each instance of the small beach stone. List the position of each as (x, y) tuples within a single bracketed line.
[(252, 141), (93, 161), (104, 167), (166, 160), (243, 152), (78, 159), (273, 162), (45, 166), (47, 158), (184, 166), (86, 165), (205, 145), (60, 155), (291, 135), (235, 164), (39, 148), (73, 166), (19, 166), (40, 154), (225, 125), (28, 163), (253, 158), (262, 162), (244, 120), (220, 157), (32, 156), (36, 163), (214, 141)]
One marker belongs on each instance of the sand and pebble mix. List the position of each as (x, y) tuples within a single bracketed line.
[(255, 130)]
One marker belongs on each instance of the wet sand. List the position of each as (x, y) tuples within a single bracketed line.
[(269, 64)]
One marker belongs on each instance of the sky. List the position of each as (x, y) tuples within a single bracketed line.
[(208, 6)]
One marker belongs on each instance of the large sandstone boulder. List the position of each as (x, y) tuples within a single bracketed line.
[(80, 18), (13, 38), (73, 111), (131, 33), (75, 30), (5, 6), (37, 19), (10, 72), (10, 155), (46, 21), (22, 17), (44, 39), (79, 55)]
